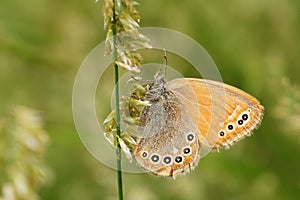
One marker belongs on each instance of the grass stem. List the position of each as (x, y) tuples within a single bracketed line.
[(116, 68)]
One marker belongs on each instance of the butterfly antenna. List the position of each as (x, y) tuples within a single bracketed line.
[(166, 62)]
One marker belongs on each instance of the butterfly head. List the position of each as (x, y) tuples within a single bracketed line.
[(157, 89)]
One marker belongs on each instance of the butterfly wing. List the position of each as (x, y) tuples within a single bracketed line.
[(167, 140), (223, 114)]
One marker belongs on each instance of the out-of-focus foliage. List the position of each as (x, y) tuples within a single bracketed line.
[(126, 21), (255, 44), (22, 152)]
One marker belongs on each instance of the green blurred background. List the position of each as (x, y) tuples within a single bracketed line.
[(256, 46)]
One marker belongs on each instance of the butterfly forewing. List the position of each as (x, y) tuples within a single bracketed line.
[(225, 114)]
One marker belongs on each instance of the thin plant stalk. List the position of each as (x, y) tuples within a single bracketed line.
[(116, 68), (121, 16)]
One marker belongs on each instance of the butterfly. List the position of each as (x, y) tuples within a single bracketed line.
[(188, 117)]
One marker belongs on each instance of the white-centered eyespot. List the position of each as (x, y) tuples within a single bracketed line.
[(155, 158), (222, 133), (187, 151), (230, 127), (144, 154), (167, 160), (178, 159), (240, 122), (190, 137)]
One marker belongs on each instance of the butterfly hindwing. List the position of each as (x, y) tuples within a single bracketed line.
[(168, 143)]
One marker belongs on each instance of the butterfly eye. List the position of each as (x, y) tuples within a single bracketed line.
[(190, 137), (167, 160), (178, 159), (155, 158), (144, 154), (186, 150)]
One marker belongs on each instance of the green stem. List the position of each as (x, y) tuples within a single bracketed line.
[(118, 151)]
